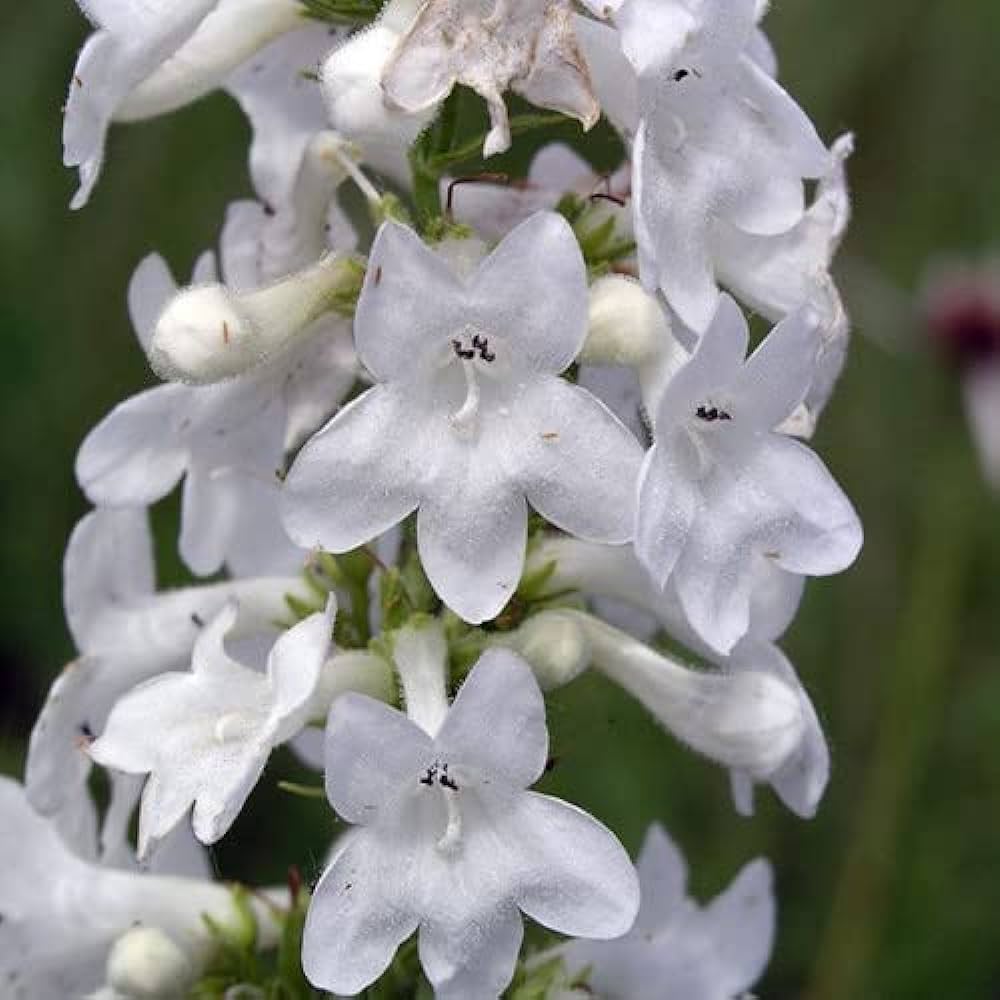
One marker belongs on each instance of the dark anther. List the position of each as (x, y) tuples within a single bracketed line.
[(680, 75), (378, 275), (465, 355), (428, 778), (85, 731), (198, 620), (486, 178), (711, 414), (446, 781)]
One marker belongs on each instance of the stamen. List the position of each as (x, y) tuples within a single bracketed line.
[(452, 837), (466, 415)]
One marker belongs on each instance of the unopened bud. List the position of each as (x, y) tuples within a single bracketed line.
[(146, 964), (555, 647), (209, 333), (627, 324)]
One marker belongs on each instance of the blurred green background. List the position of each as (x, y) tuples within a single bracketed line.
[(893, 890)]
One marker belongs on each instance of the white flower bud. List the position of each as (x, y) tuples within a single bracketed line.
[(627, 324), (208, 333), (554, 646), (146, 964)]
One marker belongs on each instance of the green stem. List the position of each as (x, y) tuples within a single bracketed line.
[(926, 650)]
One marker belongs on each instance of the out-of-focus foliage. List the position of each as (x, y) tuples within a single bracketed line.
[(891, 892)]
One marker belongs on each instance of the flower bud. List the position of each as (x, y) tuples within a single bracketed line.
[(554, 646), (146, 964), (209, 333), (627, 324)]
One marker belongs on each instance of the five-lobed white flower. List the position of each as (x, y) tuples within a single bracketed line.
[(719, 146), (62, 916), (678, 950), (204, 737), (527, 46), (468, 419), (720, 488), (126, 632), (447, 839)]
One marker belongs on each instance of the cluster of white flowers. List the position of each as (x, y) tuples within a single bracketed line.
[(520, 435)]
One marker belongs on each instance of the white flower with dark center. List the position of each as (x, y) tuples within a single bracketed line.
[(678, 950), (469, 418), (446, 837), (720, 488), (204, 737), (527, 46), (717, 142)]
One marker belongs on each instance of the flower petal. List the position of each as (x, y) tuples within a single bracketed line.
[(108, 563), (468, 960), (497, 722), (410, 304), (357, 477), (358, 916), (581, 463), (582, 882), (371, 750), (741, 924), (532, 292), (472, 543), (663, 879), (135, 456)]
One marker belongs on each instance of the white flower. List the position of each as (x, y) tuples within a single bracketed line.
[(126, 633), (717, 142), (625, 595), (678, 950), (151, 56), (527, 46), (227, 442), (204, 737), (469, 418), (62, 915), (446, 838), (719, 488)]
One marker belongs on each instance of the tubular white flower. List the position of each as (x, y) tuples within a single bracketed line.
[(448, 840), (132, 39), (204, 737), (468, 419), (750, 721), (229, 35), (126, 633), (720, 489), (209, 333), (678, 950), (62, 915)]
